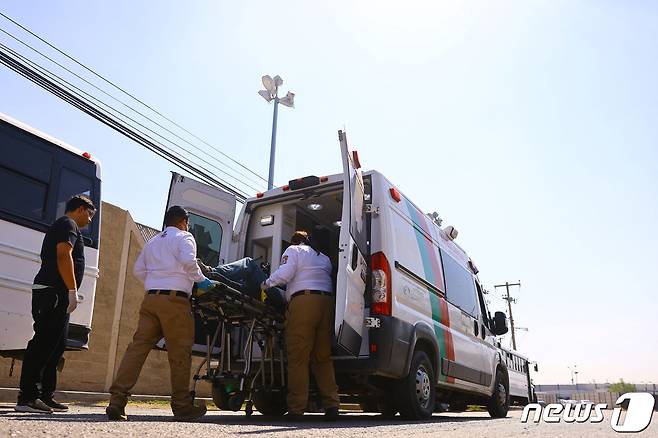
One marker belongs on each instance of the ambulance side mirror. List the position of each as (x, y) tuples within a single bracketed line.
[(500, 324)]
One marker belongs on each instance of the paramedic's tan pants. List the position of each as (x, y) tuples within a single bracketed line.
[(309, 324), (160, 316)]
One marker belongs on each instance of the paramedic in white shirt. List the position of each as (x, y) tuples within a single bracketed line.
[(167, 267), (309, 324)]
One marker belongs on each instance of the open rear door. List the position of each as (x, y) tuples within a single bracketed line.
[(212, 211), (353, 246)]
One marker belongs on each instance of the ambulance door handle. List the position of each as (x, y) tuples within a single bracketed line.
[(355, 257), (475, 327)]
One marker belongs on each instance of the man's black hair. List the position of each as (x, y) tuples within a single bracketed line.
[(78, 201), (174, 215)]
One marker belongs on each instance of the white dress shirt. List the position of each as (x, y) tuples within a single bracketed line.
[(302, 268), (168, 262)]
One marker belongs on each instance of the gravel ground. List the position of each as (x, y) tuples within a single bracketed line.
[(90, 421)]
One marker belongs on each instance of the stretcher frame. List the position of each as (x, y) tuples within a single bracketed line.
[(255, 324)]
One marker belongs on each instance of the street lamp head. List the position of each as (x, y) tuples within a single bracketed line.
[(288, 100), (270, 84), (278, 81), (265, 95)]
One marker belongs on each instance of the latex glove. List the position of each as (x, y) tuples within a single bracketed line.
[(205, 284), (73, 301), (205, 269)]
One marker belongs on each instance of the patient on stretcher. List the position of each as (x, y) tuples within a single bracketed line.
[(246, 275)]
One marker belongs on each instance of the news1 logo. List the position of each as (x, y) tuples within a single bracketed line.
[(637, 418)]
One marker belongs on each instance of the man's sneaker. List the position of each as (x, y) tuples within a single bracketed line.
[(36, 406), (190, 413), (52, 404), (331, 414), (116, 413)]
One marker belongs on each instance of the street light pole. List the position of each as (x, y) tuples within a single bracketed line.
[(270, 175), (270, 93)]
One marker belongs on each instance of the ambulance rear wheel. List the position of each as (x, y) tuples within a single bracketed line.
[(416, 391)]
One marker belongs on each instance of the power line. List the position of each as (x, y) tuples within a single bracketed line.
[(68, 86), (129, 94), (113, 123), (134, 110)]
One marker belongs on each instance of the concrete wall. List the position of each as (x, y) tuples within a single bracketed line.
[(118, 298)]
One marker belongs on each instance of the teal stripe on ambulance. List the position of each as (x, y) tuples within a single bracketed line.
[(424, 248)]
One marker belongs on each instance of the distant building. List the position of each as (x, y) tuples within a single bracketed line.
[(568, 391)]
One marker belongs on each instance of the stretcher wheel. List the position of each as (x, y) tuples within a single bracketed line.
[(270, 403), (235, 401), (220, 397)]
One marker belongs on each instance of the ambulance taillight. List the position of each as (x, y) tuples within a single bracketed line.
[(380, 303)]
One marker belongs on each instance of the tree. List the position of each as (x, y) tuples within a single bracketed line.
[(622, 387)]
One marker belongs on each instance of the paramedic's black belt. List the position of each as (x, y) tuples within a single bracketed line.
[(178, 293), (310, 292)]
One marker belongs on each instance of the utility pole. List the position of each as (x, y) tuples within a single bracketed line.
[(510, 300)]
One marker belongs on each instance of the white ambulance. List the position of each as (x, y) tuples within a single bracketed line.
[(412, 329)]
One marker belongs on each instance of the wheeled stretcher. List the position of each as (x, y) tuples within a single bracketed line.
[(245, 356)]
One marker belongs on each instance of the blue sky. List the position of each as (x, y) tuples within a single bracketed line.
[(530, 126)]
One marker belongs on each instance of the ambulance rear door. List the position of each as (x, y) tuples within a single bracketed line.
[(353, 247), (212, 212)]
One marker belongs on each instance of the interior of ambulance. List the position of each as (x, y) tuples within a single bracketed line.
[(271, 226)]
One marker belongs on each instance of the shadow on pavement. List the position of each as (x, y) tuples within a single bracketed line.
[(214, 417)]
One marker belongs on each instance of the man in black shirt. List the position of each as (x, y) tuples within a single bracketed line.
[(54, 297)]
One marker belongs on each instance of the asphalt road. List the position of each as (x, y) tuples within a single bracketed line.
[(85, 421)]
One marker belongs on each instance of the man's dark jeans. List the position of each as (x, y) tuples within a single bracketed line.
[(45, 349)]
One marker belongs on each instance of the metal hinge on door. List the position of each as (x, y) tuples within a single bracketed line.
[(370, 209)]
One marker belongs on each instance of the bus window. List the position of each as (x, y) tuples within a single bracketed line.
[(27, 197), (71, 183), (208, 236)]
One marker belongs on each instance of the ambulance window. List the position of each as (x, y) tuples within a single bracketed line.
[(208, 236), (460, 285), (483, 306)]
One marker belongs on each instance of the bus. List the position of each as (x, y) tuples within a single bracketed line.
[(38, 174), (521, 388)]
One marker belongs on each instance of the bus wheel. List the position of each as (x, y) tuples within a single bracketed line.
[(416, 391), (499, 402)]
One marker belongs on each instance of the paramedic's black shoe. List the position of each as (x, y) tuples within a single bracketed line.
[(35, 406), (331, 414), (116, 413), (52, 404), (292, 416)]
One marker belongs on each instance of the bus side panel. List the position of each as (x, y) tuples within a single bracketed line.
[(20, 264), (19, 257)]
